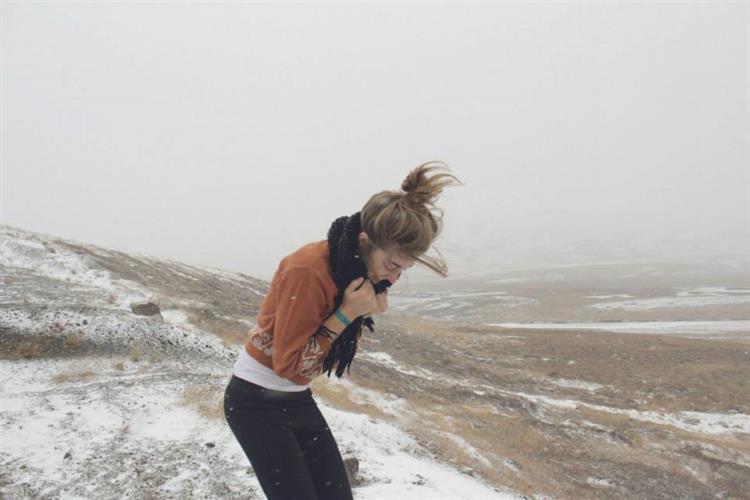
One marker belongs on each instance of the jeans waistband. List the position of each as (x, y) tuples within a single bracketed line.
[(261, 392)]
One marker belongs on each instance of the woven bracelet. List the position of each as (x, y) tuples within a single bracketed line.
[(342, 317)]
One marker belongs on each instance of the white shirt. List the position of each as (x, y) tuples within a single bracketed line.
[(248, 368)]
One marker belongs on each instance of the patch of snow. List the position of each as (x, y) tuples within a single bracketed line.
[(500, 293), (466, 447), (577, 384), (387, 360), (598, 481), (690, 297), (507, 280), (29, 254), (174, 316), (703, 422), (616, 295), (709, 327), (387, 403)]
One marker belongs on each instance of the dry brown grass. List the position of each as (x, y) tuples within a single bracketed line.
[(206, 399), (155, 357), (483, 412), (119, 366), (495, 451), (26, 350), (229, 332), (621, 425), (557, 449), (339, 396), (414, 324), (73, 340), (39, 346), (73, 376), (436, 424), (231, 336), (439, 426), (135, 352), (31, 346)]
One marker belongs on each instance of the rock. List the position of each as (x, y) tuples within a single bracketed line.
[(512, 464), (210, 445), (468, 470), (145, 309), (352, 470)]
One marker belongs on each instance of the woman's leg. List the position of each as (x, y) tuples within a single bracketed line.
[(322, 456), (261, 427)]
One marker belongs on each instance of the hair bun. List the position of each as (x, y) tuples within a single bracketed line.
[(410, 183), (419, 188)]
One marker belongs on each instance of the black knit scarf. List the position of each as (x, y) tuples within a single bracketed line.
[(347, 264)]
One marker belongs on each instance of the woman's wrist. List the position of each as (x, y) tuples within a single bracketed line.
[(335, 324), (343, 315)]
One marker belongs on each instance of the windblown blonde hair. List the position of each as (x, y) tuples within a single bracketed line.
[(407, 220)]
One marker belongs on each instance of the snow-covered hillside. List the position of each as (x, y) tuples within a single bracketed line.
[(112, 370), (500, 385)]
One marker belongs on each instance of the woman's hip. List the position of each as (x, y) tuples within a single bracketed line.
[(241, 386), (243, 395), (249, 401)]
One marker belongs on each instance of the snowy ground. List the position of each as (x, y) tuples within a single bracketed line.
[(106, 432), (99, 402)]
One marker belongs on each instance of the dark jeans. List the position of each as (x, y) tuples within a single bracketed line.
[(287, 441)]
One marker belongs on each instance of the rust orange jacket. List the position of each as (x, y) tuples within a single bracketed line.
[(287, 336)]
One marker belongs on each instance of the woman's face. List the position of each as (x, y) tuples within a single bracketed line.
[(384, 264)]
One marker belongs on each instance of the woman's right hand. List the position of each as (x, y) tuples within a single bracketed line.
[(361, 301)]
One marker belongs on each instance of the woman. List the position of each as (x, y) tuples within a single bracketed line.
[(310, 320)]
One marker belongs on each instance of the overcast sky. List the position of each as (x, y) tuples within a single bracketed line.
[(229, 134)]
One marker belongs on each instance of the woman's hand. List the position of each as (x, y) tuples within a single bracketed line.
[(381, 300), (359, 298), (363, 301)]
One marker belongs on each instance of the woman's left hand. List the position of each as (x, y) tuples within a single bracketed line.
[(382, 300)]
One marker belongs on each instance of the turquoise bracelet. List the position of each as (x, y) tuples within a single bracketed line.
[(342, 317)]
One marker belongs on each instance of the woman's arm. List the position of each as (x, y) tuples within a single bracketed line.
[(302, 337), (334, 325)]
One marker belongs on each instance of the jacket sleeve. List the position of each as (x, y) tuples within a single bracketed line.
[(300, 341)]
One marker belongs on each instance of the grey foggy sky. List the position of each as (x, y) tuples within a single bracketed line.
[(229, 134)]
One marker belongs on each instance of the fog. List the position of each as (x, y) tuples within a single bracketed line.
[(229, 134)]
